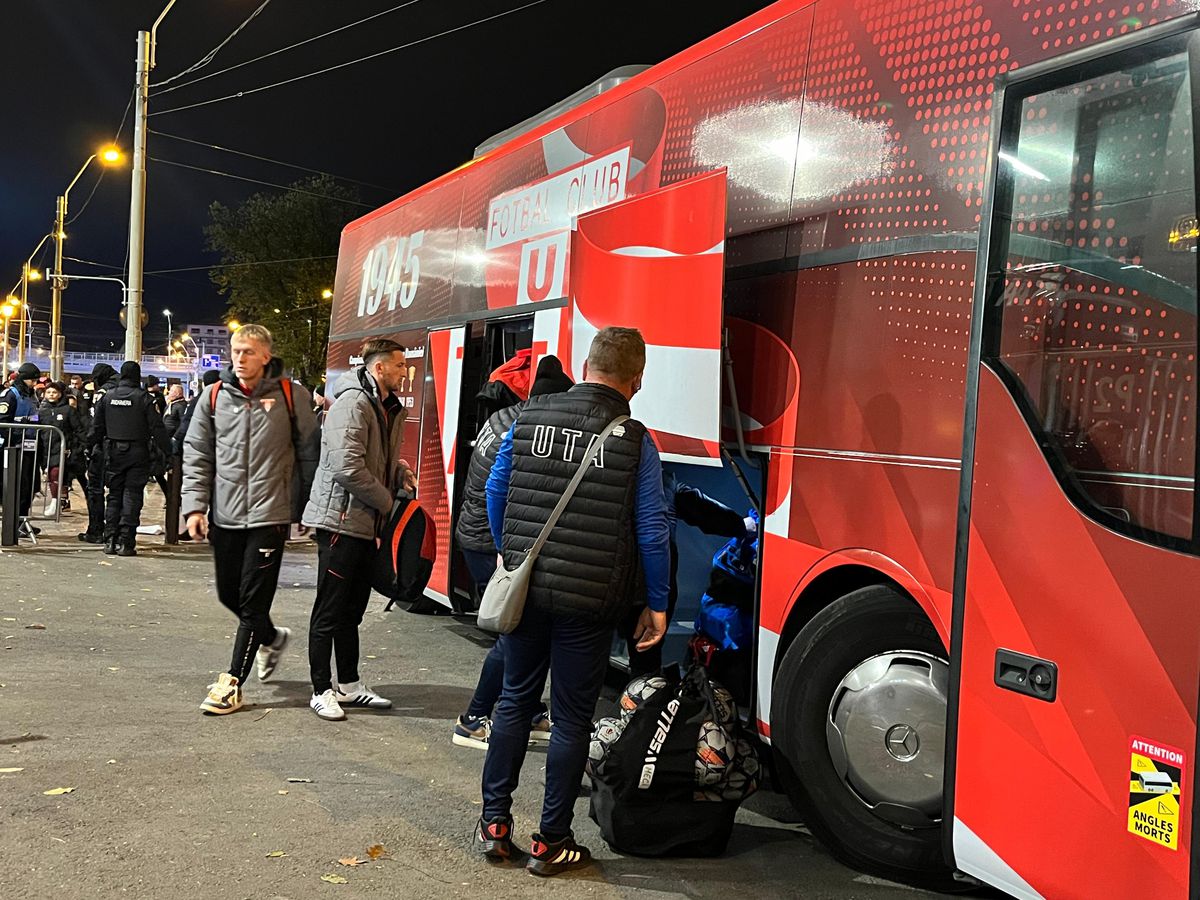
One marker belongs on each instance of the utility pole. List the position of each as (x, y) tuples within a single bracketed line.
[(57, 286), (137, 200)]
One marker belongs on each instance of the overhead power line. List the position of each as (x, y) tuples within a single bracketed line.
[(211, 54), (284, 49), (333, 68), (278, 162), (282, 187), (260, 262)]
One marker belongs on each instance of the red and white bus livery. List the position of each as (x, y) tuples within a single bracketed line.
[(927, 273)]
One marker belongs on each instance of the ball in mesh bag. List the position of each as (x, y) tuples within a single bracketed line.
[(638, 692), (707, 796), (713, 753), (741, 775), (604, 735), (724, 704)]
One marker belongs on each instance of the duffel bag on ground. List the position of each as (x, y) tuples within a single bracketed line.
[(669, 774)]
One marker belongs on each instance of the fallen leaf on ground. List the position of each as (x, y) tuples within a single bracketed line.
[(300, 780), (275, 854), (36, 626), (351, 861), (283, 792), (54, 792), (105, 563), (334, 879), (376, 851), (9, 771), (372, 657)]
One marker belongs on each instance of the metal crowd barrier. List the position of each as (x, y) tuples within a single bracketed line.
[(21, 443)]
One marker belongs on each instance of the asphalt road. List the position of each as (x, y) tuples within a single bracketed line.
[(104, 662)]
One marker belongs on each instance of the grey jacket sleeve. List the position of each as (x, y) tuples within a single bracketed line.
[(199, 458), (346, 441)]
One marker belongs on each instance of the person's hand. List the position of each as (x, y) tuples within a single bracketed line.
[(651, 627), (197, 526), (408, 478)]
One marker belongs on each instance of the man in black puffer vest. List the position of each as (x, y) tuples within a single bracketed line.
[(583, 583), (474, 537)]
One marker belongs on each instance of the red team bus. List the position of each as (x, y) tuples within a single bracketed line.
[(925, 271)]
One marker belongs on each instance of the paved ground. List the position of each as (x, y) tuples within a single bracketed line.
[(103, 664)]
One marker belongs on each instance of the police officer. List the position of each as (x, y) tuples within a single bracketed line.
[(125, 423), (104, 379), (18, 403)]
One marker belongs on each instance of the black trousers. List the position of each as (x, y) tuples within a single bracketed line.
[(643, 662), (127, 469), (248, 561), (95, 493), (344, 567)]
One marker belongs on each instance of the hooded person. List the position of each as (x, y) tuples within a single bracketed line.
[(103, 379), (474, 538), (125, 423)]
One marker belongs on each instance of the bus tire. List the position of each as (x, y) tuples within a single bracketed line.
[(876, 624)]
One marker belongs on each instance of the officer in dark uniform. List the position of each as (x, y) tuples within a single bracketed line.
[(125, 423), (104, 379), (18, 403)]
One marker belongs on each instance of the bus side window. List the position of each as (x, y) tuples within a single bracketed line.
[(1098, 325)]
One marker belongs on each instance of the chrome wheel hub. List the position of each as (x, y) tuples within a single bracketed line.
[(886, 733)]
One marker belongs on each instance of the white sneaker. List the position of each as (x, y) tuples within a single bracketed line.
[(51, 509), (358, 694), (268, 655), (326, 706), (224, 696)]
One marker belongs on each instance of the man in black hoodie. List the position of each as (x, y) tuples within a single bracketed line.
[(104, 379), (125, 423)]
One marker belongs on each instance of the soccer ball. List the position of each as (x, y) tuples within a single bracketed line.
[(708, 796), (604, 735), (724, 705), (713, 753), (741, 776), (638, 692)]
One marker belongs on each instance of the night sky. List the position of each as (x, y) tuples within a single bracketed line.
[(394, 122)]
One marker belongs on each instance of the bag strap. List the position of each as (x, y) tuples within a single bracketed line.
[(570, 491)]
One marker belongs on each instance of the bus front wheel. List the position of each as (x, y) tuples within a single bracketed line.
[(858, 726)]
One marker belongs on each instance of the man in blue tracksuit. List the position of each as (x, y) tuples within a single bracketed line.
[(583, 583)]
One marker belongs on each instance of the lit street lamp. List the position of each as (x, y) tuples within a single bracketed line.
[(7, 311), (109, 156), (170, 330)]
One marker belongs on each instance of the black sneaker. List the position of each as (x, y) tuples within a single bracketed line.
[(551, 857), (495, 837)]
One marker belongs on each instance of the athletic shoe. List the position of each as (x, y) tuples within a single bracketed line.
[(472, 732), (326, 706), (551, 857), (267, 658), (494, 837), (223, 697), (541, 727), (358, 694)]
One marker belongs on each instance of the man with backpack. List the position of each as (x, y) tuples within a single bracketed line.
[(579, 587), (359, 476), (249, 442)]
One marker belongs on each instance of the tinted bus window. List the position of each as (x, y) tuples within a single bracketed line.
[(1098, 323)]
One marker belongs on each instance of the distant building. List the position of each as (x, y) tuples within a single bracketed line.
[(210, 338)]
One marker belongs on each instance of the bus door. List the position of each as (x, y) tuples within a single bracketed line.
[(1075, 648)]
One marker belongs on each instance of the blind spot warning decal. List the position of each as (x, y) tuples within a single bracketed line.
[(1155, 791)]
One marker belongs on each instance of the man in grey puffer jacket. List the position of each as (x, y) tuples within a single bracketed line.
[(351, 500), (247, 433)]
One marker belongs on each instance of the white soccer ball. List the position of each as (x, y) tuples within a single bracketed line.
[(638, 692), (604, 735), (713, 753), (725, 706)]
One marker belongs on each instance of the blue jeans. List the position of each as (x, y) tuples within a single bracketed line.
[(576, 652)]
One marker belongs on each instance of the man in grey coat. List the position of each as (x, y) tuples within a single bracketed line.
[(352, 496), (248, 433)]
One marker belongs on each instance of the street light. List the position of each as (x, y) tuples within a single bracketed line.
[(108, 155), (147, 44), (233, 325), (7, 311), (170, 330), (327, 294)]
